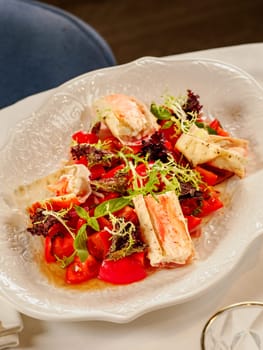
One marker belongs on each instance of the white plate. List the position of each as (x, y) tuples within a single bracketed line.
[(39, 142)]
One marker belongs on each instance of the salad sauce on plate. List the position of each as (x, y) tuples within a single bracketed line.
[(56, 276)]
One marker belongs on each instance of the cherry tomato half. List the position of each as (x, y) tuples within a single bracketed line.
[(84, 137), (78, 272), (208, 176), (99, 244), (62, 246), (129, 214), (215, 125), (123, 271)]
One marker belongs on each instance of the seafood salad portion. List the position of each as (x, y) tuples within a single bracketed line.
[(135, 189)]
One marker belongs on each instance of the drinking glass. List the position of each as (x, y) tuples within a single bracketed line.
[(236, 327)]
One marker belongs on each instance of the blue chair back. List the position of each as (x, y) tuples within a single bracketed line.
[(42, 47)]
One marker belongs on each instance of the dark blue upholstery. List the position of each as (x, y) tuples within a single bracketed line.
[(42, 46)]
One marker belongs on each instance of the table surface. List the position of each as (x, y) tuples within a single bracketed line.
[(177, 327)]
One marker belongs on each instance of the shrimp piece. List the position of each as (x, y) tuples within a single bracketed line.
[(128, 119), (164, 229)]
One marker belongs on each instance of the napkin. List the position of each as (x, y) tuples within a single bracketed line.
[(10, 325)]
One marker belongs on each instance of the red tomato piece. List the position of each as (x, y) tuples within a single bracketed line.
[(190, 205), (58, 243), (96, 171), (111, 173), (62, 246), (222, 174), (56, 229), (82, 160), (113, 144), (78, 272), (49, 257), (193, 222), (104, 222), (80, 223), (201, 207), (108, 196), (171, 133), (84, 137), (215, 125), (63, 202), (33, 208), (210, 205), (128, 213), (123, 271), (207, 176), (141, 169), (99, 244), (168, 145)]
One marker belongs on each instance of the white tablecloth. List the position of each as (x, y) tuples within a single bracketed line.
[(177, 327)]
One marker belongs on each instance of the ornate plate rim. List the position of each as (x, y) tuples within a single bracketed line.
[(158, 302)]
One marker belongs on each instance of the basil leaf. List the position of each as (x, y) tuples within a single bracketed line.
[(82, 213), (91, 220), (210, 130), (167, 125), (160, 112), (93, 223), (65, 261), (80, 243), (111, 206), (200, 125)]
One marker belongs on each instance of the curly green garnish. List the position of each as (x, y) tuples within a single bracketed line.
[(124, 240), (173, 112)]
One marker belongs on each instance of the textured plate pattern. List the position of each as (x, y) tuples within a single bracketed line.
[(39, 143)]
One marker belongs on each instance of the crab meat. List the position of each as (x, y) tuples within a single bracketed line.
[(164, 229), (128, 119), (74, 180), (226, 153)]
